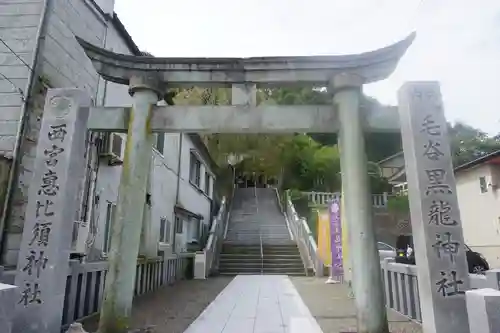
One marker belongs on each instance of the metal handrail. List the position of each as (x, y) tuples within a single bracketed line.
[(305, 239), (261, 255), (215, 237)]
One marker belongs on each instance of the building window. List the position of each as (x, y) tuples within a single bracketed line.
[(195, 225), (194, 170), (164, 230), (160, 142), (110, 214), (482, 184), (207, 183), (178, 225)]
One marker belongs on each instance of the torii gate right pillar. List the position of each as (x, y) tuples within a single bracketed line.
[(364, 257)]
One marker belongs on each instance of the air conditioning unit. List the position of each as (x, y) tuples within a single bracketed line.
[(110, 148), (82, 233)]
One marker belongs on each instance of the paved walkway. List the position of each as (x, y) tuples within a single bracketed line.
[(256, 304), (251, 304), (171, 309), (279, 304), (334, 310)]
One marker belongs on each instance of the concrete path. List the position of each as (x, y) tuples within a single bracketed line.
[(334, 310), (171, 309), (256, 304)]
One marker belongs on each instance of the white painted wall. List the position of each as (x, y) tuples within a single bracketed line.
[(190, 196), (163, 190), (19, 22), (480, 212)]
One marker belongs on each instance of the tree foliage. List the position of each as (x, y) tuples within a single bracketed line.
[(308, 165), (301, 161), (398, 204), (469, 143)]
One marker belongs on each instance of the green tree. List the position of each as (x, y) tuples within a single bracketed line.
[(300, 161), (469, 143)]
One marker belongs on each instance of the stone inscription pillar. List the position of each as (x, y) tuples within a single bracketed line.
[(443, 275), (43, 261), (127, 225), (365, 261)]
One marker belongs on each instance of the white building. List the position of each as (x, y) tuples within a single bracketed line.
[(478, 198), (43, 52), (393, 168), (479, 201)]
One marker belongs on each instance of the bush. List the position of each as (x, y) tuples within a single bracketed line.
[(398, 204)]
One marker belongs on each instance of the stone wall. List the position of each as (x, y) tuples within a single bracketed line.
[(62, 63), (388, 225), (19, 199)]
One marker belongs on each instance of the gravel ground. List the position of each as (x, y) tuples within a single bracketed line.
[(171, 309), (334, 310)]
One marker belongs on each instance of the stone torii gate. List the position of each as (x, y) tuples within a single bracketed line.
[(148, 78), (68, 113)]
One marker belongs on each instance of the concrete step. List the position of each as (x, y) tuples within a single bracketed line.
[(252, 241), (240, 261), (251, 256), (288, 246), (259, 232), (287, 267), (255, 240), (256, 228), (275, 254), (266, 273), (257, 270), (258, 250)]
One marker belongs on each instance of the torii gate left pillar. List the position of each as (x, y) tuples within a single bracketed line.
[(127, 226)]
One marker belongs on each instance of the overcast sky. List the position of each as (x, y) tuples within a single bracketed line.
[(458, 41)]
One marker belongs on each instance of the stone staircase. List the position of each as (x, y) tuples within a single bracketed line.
[(246, 259), (258, 240), (255, 214)]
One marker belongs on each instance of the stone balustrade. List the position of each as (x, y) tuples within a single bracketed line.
[(323, 198), (304, 237), (7, 306), (85, 286), (483, 300), (205, 261)]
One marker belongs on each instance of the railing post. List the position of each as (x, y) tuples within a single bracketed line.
[(8, 296), (261, 255), (200, 265), (386, 199), (482, 310), (493, 279)]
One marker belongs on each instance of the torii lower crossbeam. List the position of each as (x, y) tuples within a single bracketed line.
[(242, 119)]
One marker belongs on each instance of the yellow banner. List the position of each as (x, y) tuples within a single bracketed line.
[(324, 244)]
